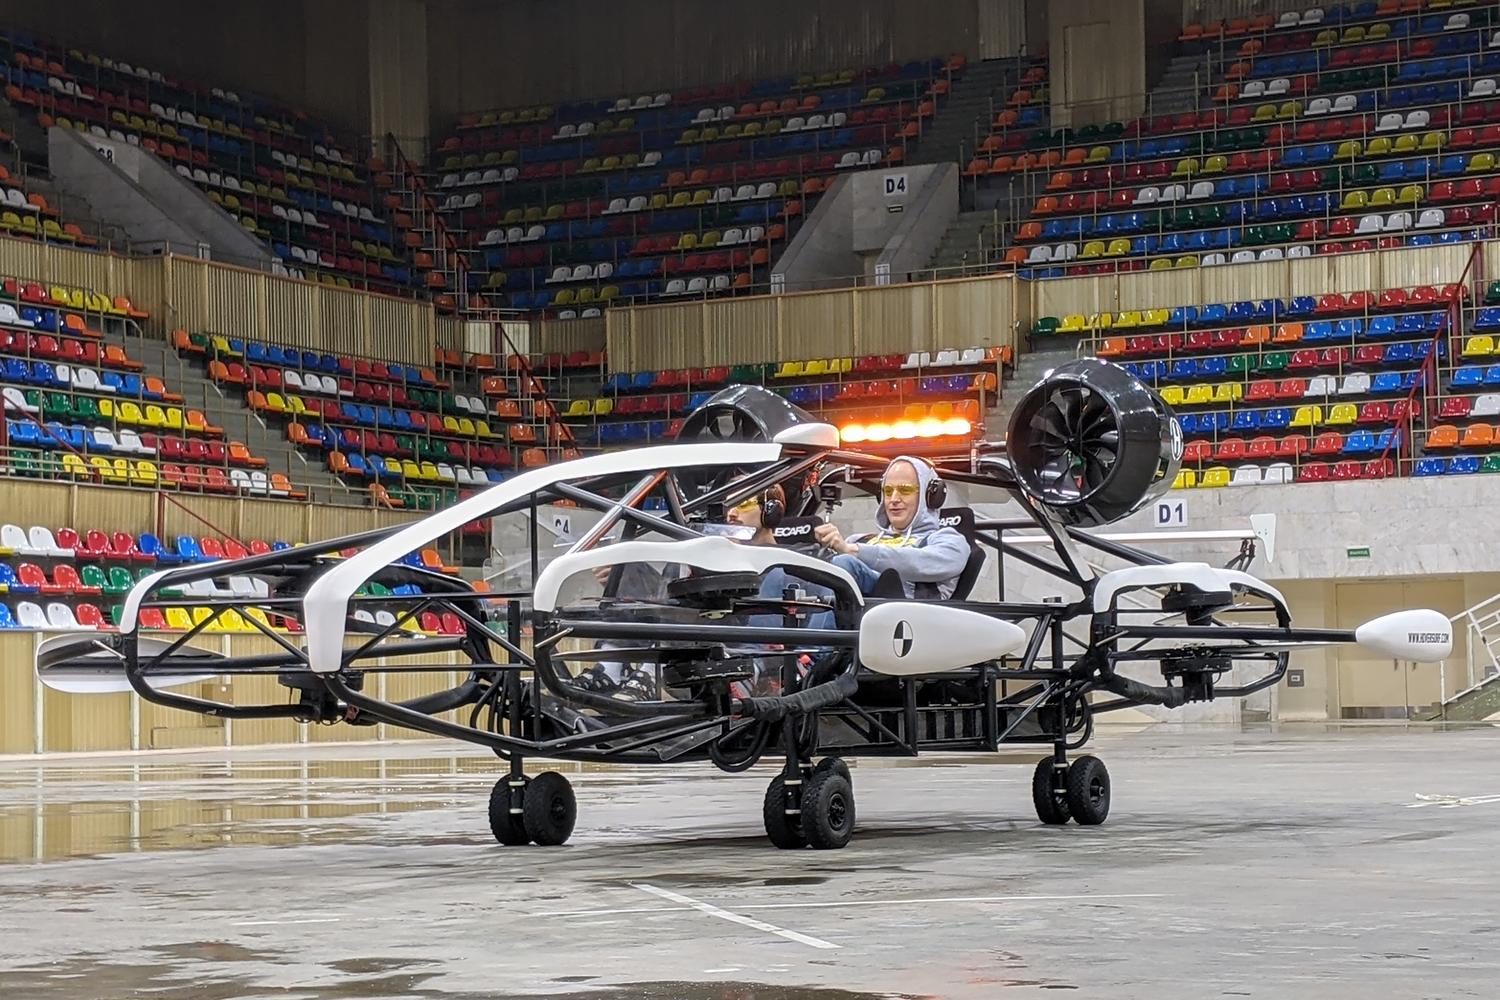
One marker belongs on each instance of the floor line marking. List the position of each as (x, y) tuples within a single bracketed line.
[(737, 918), (837, 903), (268, 923)]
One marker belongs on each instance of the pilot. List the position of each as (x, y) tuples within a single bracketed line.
[(751, 513), (927, 556)]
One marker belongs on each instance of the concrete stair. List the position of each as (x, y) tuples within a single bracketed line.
[(239, 423), (966, 113), (1180, 87)]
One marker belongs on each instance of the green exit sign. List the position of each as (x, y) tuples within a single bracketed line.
[(1362, 552)]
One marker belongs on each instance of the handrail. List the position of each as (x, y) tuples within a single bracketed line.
[(535, 389), (1427, 374)]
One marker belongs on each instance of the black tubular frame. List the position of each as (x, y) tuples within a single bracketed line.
[(523, 702)]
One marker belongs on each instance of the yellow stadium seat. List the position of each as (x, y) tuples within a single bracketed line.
[(1186, 479), (1186, 167), (603, 407), (1307, 416), (1343, 414), (130, 413), (789, 369), (1229, 392), (1411, 194), (1215, 164), (178, 619), (1198, 395), (1187, 260), (1354, 201), (1092, 250), (1161, 264), (1481, 163), (1216, 476), (1100, 321), (1072, 323), (1128, 320), (1172, 395), (1378, 146), (1382, 198), (1347, 150), (1479, 346)]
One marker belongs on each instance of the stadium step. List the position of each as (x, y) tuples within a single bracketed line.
[(238, 422), (967, 112)]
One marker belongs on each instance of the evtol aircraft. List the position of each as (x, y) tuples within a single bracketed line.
[(728, 669)]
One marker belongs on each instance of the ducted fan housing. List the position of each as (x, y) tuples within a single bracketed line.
[(1092, 443)]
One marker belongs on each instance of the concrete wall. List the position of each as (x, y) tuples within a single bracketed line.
[(488, 54), (140, 193), (919, 227), (859, 224), (1097, 50)]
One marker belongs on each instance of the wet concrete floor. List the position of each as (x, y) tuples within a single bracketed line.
[(1297, 862)]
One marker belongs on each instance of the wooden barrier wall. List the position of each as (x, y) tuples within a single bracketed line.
[(209, 297), (922, 316)]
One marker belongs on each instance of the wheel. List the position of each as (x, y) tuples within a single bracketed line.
[(784, 831), (828, 810), (1051, 806), (504, 824), (1088, 791), (550, 810), (836, 765)]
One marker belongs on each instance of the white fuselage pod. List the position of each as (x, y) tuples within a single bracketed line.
[(1421, 634), (905, 638)]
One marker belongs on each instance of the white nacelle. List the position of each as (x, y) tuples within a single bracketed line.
[(88, 666), (903, 638), (1422, 635)]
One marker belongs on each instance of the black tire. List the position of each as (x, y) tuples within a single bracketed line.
[(1051, 808), (1088, 791), (550, 810), (828, 810), (504, 824), (785, 832), (837, 766)]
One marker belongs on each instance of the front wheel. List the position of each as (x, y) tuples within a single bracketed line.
[(782, 828)]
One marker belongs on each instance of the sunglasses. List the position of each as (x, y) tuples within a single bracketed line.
[(745, 505), (907, 490)]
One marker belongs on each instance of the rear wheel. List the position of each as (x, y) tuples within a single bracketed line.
[(550, 810), (507, 826), (1049, 799), (784, 829), (1088, 791), (828, 810)]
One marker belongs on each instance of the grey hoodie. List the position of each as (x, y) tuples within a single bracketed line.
[(925, 553)]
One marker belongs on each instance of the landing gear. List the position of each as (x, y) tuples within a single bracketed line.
[(540, 810), (1078, 791), (816, 809)]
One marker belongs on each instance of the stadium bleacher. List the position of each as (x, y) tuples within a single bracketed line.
[(70, 580), (662, 196), (284, 177), (1374, 134), (82, 409)]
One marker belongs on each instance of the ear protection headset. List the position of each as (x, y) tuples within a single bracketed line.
[(772, 508), (936, 493)]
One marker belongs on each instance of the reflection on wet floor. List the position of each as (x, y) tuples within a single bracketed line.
[(375, 978), (52, 811)]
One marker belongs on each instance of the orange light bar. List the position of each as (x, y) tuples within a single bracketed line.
[(904, 430)]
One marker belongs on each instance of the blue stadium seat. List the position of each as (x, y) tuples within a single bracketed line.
[(1463, 465), (1277, 419), (1487, 318)]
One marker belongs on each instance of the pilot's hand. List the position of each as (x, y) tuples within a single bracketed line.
[(828, 536), (601, 574)]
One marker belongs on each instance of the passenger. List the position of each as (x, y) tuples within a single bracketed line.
[(927, 556)]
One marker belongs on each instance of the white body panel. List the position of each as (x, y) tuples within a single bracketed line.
[(717, 554), (1197, 574), (326, 603), (904, 638)]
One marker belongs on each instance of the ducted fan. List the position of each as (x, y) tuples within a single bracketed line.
[(1092, 444)]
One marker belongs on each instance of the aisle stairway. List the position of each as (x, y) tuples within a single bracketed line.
[(239, 423)]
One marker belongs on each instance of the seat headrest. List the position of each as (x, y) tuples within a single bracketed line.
[(796, 530), (960, 518)]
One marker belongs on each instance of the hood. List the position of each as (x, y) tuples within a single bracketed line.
[(926, 520)]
